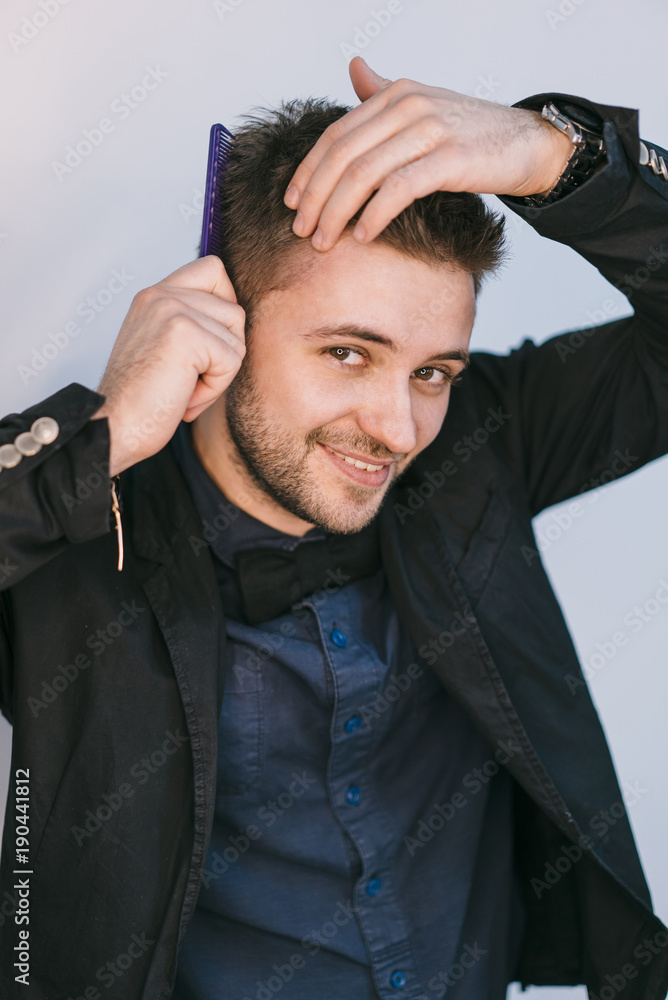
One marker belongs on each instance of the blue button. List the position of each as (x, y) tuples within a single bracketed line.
[(338, 638), (353, 795), (398, 979), (353, 724), (373, 886)]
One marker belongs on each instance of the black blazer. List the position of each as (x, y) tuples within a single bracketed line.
[(113, 680)]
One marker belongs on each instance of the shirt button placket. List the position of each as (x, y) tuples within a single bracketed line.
[(356, 684)]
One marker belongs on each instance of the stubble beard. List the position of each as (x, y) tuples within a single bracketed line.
[(278, 463)]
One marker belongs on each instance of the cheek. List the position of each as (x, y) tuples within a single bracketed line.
[(295, 395), (429, 417)]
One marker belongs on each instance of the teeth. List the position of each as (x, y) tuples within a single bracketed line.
[(358, 465)]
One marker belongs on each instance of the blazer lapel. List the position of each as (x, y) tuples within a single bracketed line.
[(179, 582), (431, 602)]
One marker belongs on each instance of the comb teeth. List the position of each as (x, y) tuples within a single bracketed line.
[(220, 149)]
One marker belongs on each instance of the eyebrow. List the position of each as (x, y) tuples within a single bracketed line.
[(351, 330)]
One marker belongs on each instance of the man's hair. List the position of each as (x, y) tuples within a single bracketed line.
[(261, 253)]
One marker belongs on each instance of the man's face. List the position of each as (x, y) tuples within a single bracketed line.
[(350, 364)]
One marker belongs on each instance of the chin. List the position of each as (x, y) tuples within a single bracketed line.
[(346, 517)]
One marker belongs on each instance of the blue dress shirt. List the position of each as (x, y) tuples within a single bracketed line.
[(363, 838)]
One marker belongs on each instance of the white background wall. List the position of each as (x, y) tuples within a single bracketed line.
[(134, 204)]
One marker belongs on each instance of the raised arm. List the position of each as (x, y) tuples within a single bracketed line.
[(593, 402), (590, 402), (180, 346)]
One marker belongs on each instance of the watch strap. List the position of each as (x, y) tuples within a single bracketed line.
[(585, 131)]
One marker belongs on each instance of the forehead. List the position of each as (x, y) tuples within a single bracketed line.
[(373, 284)]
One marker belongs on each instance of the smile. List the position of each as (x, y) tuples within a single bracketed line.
[(371, 474), (353, 461)]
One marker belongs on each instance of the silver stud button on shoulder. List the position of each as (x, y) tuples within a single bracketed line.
[(650, 158)]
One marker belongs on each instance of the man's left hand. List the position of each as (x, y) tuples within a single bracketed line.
[(406, 140)]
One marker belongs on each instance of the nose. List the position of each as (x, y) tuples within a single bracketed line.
[(386, 414)]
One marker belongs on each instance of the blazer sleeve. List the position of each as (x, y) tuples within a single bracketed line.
[(6, 659), (591, 405), (59, 496)]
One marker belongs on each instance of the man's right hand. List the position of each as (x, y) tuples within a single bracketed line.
[(180, 345)]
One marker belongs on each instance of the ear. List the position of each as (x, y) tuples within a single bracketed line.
[(365, 80)]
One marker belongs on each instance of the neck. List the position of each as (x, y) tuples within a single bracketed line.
[(219, 455)]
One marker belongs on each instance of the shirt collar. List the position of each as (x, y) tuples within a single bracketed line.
[(241, 530)]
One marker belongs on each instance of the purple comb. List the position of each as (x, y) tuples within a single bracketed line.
[(220, 148)]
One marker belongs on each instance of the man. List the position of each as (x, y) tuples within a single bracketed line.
[(325, 733)]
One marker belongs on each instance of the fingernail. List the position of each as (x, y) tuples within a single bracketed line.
[(318, 239), (298, 223), (359, 232), (291, 196)]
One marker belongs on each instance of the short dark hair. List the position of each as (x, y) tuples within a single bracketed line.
[(260, 249)]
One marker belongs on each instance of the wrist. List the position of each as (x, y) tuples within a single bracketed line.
[(119, 457), (588, 151), (553, 151), (559, 151)]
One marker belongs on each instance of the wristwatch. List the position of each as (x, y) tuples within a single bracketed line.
[(588, 152)]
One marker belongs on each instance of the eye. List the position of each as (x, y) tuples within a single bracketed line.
[(436, 376), (343, 354)]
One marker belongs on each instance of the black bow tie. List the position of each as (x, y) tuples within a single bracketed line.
[(271, 580)]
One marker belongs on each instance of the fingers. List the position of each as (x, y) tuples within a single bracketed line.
[(354, 145), (400, 190), (374, 147), (227, 314), (200, 349), (354, 118), (207, 390), (207, 274), (364, 79), (194, 411), (338, 196), (215, 372)]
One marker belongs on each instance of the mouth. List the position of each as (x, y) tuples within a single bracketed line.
[(358, 468)]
